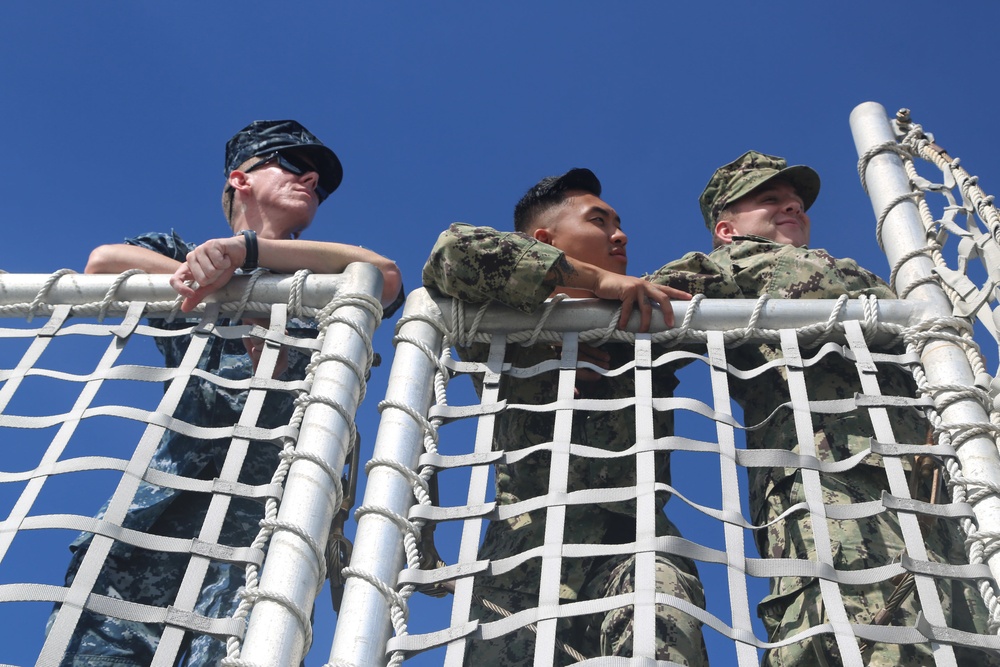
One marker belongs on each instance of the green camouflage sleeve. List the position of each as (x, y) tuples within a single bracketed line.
[(787, 272), (479, 264), (698, 273), (749, 268)]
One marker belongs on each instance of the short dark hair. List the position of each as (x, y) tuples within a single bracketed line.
[(550, 192)]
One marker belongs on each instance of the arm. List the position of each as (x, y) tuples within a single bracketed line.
[(749, 268), (288, 256), (213, 263), (698, 273), (631, 291), (480, 264), (118, 257)]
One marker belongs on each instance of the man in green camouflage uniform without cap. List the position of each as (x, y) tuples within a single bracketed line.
[(520, 270), (756, 208)]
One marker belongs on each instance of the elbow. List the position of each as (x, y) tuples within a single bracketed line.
[(100, 260), (392, 281)]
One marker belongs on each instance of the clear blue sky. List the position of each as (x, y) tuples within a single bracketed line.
[(116, 114)]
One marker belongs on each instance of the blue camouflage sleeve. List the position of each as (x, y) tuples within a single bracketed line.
[(169, 245)]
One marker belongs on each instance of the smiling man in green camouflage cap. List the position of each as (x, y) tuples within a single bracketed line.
[(755, 208), (759, 195), (748, 172)]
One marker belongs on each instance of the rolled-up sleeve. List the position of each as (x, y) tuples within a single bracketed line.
[(481, 264)]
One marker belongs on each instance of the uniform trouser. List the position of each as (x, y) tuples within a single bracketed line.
[(678, 635), (154, 578), (796, 604)]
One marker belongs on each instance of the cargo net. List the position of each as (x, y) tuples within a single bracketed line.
[(166, 478), (812, 479), (850, 530)]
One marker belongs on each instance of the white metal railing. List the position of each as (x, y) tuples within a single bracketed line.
[(272, 625), (386, 569)]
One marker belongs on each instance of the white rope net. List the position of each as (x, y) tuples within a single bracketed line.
[(170, 477), (877, 539)]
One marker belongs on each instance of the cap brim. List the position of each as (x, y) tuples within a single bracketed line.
[(328, 166), (579, 179), (804, 179)]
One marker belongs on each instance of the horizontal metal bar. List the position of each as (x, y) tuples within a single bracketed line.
[(80, 289), (712, 314)]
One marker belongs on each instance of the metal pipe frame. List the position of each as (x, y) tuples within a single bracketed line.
[(712, 315), (944, 363), (274, 636), (363, 625), (80, 289)]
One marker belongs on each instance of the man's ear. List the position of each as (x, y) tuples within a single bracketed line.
[(725, 230), (238, 180), (542, 235)]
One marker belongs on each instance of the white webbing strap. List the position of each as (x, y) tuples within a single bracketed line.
[(926, 588), (82, 586), (194, 576), (137, 538), (739, 598), (123, 609), (555, 515), (813, 491), (133, 316), (644, 610), (7, 390), (479, 480)]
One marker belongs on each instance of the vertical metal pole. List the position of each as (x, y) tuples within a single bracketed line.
[(275, 636), (944, 363), (363, 625)]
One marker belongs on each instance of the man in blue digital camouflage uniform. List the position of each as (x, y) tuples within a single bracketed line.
[(277, 174), (755, 208), (568, 240)]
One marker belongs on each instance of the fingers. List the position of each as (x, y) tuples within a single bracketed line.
[(675, 293), (181, 280), (627, 304), (193, 290), (662, 295), (646, 294), (205, 269), (195, 297), (645, 313), (638, 293), (208, 262)]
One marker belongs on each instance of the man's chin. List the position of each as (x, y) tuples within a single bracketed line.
[(617, 264)]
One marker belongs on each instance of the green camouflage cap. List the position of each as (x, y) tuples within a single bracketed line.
[(748, 172)]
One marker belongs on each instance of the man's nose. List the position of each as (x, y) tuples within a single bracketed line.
[(619, 237), (793, 205)]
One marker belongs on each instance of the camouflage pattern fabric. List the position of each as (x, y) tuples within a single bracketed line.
[(153, 578), (751, 267), (748, 172), (477, 264), (678, 636)]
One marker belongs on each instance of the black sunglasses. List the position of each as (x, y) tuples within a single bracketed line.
[(293, 164)]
